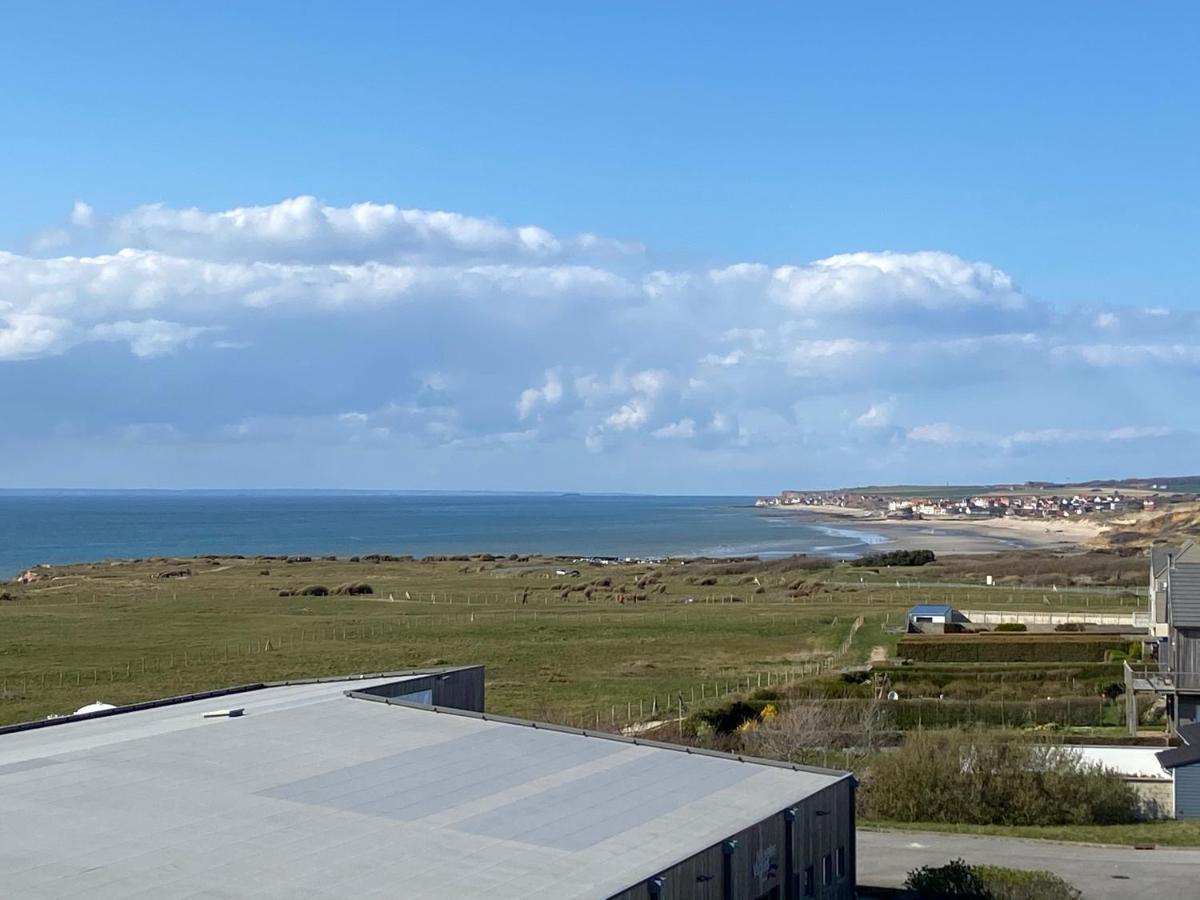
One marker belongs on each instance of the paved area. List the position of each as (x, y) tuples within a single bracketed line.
[(1101, 873)]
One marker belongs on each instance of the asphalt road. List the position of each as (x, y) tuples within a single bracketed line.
[(1101, 873)]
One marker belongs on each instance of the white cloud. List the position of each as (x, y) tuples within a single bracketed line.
[(532, 399), (303, 229), (937, 433), (1108, 356), (878, 415), (148, 338), (684, 428), (732, 358), (1068, 435), (946, 435), (82, 215), (853, 281), (649, 382), (477, 333), (30, 335), (631, 415)]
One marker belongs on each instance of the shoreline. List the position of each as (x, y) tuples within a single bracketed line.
[(954, 536), (675, 530)]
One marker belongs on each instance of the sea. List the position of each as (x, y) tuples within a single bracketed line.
[(87, 526)]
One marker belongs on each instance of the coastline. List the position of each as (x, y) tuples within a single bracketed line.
[(955, 536)]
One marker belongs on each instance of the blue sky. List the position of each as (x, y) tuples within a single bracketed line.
[(668, 247)]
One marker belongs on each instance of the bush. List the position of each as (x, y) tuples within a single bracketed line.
[(896, 558), (353, 588), (1011, 626), (1025, 884), (999, 648), (986, 779), (957, 880), (954, 880), (313, 590)]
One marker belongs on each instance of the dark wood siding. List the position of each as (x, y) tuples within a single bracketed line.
[(1185, 595), (758, 864), (1185, 652), (1187, 791)]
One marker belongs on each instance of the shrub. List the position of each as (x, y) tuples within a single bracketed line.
[(896, 558), (1000, 648), (352, 588), (985, 779), (954, 880), (313, 590), (1011, 626), (958, 880), (1025, 884), (728, 717)]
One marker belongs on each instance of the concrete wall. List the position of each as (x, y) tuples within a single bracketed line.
[(1156, 797), (997, 617), (771, 859)]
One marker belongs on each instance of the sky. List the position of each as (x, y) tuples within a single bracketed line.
[(673, 248)]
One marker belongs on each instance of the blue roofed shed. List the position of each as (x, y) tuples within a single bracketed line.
[(933, 617)]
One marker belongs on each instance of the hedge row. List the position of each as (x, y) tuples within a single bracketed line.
[(1082, 711), (957, 648)]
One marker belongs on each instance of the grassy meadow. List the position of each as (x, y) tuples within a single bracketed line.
[(613, 644)]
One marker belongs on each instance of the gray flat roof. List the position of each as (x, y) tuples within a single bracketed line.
[(313, 793)]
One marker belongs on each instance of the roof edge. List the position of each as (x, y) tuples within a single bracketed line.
[(221, 692), (603, 735)]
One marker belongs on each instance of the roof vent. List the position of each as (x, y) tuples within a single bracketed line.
[(98, 706)]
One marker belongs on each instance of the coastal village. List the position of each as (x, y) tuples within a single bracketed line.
[(1012, 504)]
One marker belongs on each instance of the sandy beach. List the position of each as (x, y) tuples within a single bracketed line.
[(957, 535)]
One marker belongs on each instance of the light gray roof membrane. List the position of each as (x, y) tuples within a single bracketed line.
[(315, 794)]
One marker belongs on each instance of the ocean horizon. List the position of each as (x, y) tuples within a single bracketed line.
[(59, 526)]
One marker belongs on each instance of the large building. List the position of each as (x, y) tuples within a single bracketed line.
[(1175, 626), (400, 786)]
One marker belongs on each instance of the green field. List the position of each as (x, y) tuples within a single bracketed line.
[(556, 647), (116, 633)]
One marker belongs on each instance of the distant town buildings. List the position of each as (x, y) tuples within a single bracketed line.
[(1031, 506)]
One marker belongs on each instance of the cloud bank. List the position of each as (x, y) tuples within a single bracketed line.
[(376, 325)]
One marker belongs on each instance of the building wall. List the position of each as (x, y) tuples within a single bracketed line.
[(1184, 589), (997, 617), (1187, 709), (760, 865), (1156, 797), (456, 689), (1185, 650), (1187, 791)]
